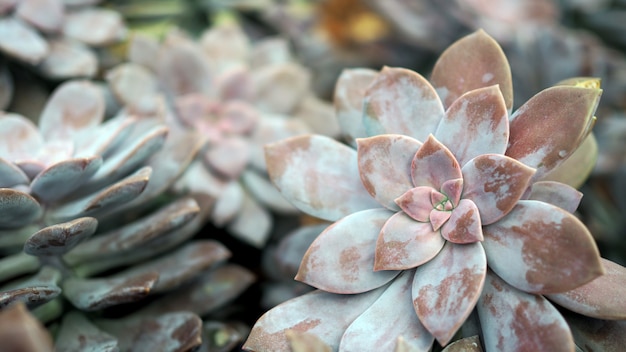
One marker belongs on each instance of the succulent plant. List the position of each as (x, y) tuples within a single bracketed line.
[(444, 223)]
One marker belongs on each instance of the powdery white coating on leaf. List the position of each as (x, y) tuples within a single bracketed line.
[(228, 157), (252, 224), (95, 26), (434, 164), (512, 320), (265, 192), (62, 178), (59, 239), (20, 40), (476, 123), (418, 203), (19, 138), (348, 100), (224, 45), (318, 175), (393, 308), (446, 289), (541, 248), (182, 69), (341, 259), (280, 88), (228, 203), (45, 15), (131, 82), (563, 196), (401, 101), (11, 175), (68, 58), (385, 166), (464, 224), (17, 209)]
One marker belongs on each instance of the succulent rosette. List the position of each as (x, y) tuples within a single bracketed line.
[(442, 211)]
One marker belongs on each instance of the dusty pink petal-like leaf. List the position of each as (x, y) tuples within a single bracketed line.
[(95, 26), (512, 320), (18, 39), (495, 183), (401, 101), (228, 202), (319, 115), (19, 138), (446, 289), (229, 157), (437, 218), (67, 59), (45, 15), (434, 164), (318, 175), (417, 203), (280, 88), (542, 249), (464, 225), (597, 335), (556, 193), (385, 166), (272, 128), (348, 99), (260, 187), (473, 62), (234, 84), (602, 298), (476, 123), (252, 224), (62, 178), (551, 125), (453, 190), (131, 82), (182, 69), (325, 315), (394, 308), (225, 44), (237, 117), (341, 259), (404, 243)]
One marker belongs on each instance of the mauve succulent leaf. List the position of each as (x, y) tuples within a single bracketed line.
[(77, 332), (473, 62), (95, 294), (237, 117), (521, 249), (417, 203), (325, 315), (348, 100), (225, 44), (513, 320), (394, 308), (595, 334), (182, 68), (291, 249), (437, 218), (17, 208), (21, 331), (59, 239), (305, 342), (67, 59), (453, 189), (280, 88), (11, 175), (95, 26), (17, 265), (563, 196), (467, 344), (464, 225), (34, 291), (575, 170), (21, 41), (74, 106), (341, 259), (61, 179), (260, 187), (45, 15), (234, 84), (495, 183), (228, 203), (404, 243), (319, 115), (434, 164), (385, 166), (272, 128), (131, 82), (19, 138), (446, 289), (252, 224), (228, 157), (551, 125), (476, 123), (601, 298), (318, 175), (401, 101)]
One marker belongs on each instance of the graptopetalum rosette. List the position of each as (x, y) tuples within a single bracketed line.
[(441, 211)]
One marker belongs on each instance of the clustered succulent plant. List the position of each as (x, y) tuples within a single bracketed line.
[(446, 221)]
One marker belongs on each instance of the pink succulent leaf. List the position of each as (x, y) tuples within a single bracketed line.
[(225, 44), (348, 100), (280, 88), (95, 26), (473, 62), (341, 259), (19, 138), (512, 320), (453, 190), (393, 307), (237, 117), (385, 166), (464, 225), (320, 313), (31, 46), (74, 107), (197, 110), (182, 68), (551, 125), (252, 224), (60, 179), (476, 123), (401, 101), (541, 248), (596, 334), (556, 193), (438, 217), (229, 157), (318, 175), (404, 243), (45, 15), (319, 115), (434, 164), (439, 201), (417, 203), (273, 128), (11, 175), (131, 82), (446, 289), (495, 183), (234, 84), (601, 298)]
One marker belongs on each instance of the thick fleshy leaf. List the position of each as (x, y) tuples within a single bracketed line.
[(434, 164), (394, 308), (521, 249), (131, 82), (17, 208), (11, 175), (473, 62), (341, 259), (401, 101), (17, 265), (551, 125), (476, 123), (59, 239), (575, 170), (19, 138), (602, 298), (437, 218), (556, 193), (103, 139), (228, 203), (417, 203), (34, 291), (225, 44), (452, 189), (95, 26), (348, 99), (252, 224), (19, 40), (229, 157), (597, 335), (287, 256), (385, 166), (464, 224), (260, 187), (446, 289), (234, 84), (495, 183), (60, 179), (280, 88), (325, 315), (319, 115), (318, 175), (21, 331), (182, 69), (77, 332), (512, 320), (67, 59), (404, 243)]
